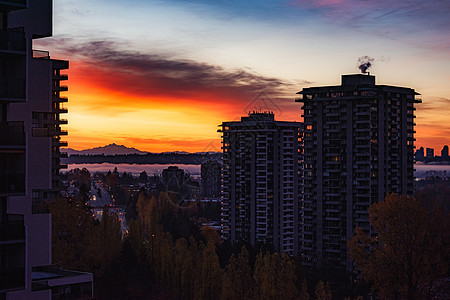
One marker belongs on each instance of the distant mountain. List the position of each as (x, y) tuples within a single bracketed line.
[(111, 149)]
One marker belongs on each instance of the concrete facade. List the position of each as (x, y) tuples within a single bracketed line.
[(30, 138)]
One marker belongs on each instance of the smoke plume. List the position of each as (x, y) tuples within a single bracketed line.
[(364, 63)]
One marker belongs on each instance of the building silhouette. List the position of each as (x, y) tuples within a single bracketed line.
[(358, 145), (260, 181), (211, 180), (420, 154), (444, 152), (30, 140), (173, 178), (429, 152)]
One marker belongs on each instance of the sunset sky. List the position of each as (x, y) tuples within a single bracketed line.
[(161, 75)]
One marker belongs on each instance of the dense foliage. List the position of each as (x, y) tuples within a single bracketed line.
[(409, 251)]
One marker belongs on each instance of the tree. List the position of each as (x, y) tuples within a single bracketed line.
[(143, 177), (211, 274), (259, 274), (323, 291), (229, 290), (267, 270), (304, 292), (286, 281), (71, 226), (408, 250), (238, 281), (106, 242), (244, 280)]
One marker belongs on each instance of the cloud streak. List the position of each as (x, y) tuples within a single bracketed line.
[(391, 18), (155, 73), (145, 78)]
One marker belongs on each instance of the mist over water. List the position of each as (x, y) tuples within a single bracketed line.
[(153, 169), (135, 169)]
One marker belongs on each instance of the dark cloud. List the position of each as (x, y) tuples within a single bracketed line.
[(159, 75), (173, 75)]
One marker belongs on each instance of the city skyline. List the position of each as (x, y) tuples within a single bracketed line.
[(144, 74)]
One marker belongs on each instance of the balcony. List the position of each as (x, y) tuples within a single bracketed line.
[(61, 88), (12, 39), (61, 110), (12, 278), (12, 89), (60, 99), (57, 131), (61, 77), (12, 135), (12, 229), (40, 54), (12, 183)]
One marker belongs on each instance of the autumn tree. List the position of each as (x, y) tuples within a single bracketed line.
[(259, 274), (408, 251), (228, 280), (323, 291), (304, 291), (238, 281), (105, 242), (184, 267), (71, 226), (286, 280), (79, 242), (211, 274)]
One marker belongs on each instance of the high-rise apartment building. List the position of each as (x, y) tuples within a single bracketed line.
[(358, 145), (430, 152), (211, 182), (173, 178), (30, 140), (260, 181)]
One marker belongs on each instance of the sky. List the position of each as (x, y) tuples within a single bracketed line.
[(162, 75)]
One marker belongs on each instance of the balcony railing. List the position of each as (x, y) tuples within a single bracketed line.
[(40, 54), (12, 134), (15, 4), (60, 99), (61, 77)]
